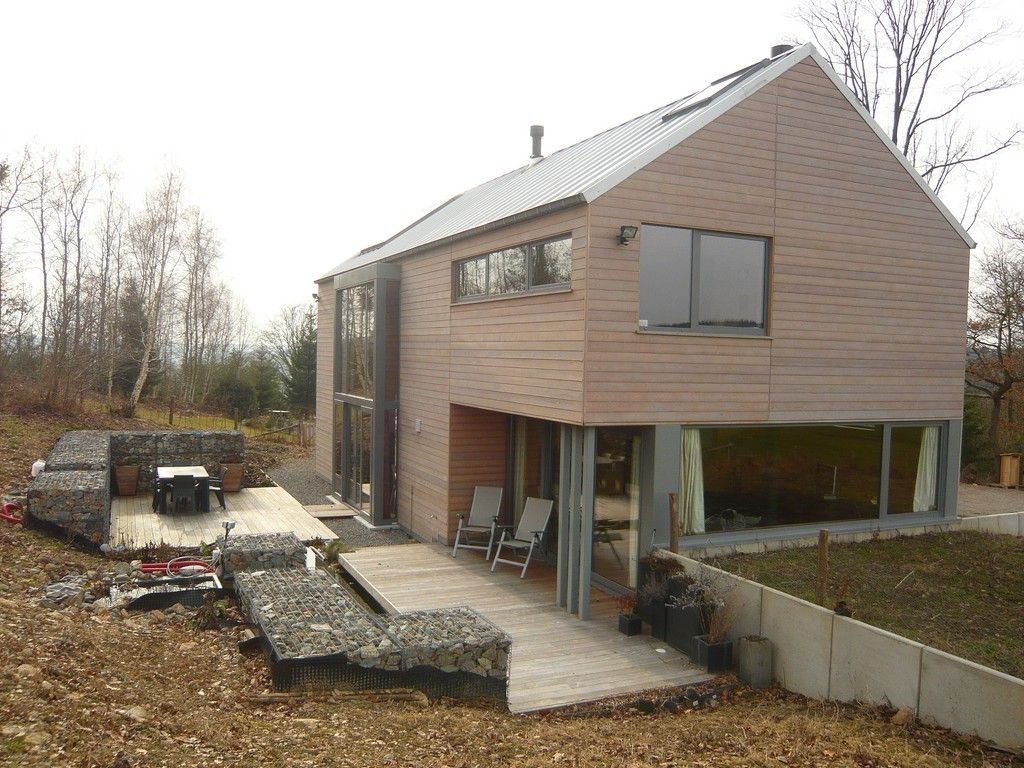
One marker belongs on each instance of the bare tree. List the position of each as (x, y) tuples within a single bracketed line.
[(39, 213), (111, 238), (15, 179), (911, 64), (153, 237), (995, 330)]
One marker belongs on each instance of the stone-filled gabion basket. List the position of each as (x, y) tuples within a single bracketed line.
[(319, 635), (261, 552)]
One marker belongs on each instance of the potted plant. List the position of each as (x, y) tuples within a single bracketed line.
[(630, 622), (657, 573), (126, 476), (687, 614), (714, 649)]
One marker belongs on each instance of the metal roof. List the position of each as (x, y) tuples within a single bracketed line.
[(586, 170)]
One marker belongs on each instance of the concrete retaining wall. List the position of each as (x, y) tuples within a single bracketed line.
[(824, 656)]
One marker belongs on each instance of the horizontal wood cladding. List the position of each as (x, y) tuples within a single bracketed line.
[(523, 354), (323, 427), (477, 457), (423, 397), (868, 291)]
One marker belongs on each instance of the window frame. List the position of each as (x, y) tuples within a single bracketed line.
[(531, 250), (696, 327)]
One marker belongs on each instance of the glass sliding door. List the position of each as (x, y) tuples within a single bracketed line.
[(359, 453), (616, 504)]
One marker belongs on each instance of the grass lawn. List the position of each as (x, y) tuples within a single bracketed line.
[(959, 592)]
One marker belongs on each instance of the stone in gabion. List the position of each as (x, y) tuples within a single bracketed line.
[(306, 614), (76, 500), (262, 551), (80, 450)]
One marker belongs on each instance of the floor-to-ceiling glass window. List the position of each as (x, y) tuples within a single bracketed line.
[(616, 504), (366, 393), (738, 478)]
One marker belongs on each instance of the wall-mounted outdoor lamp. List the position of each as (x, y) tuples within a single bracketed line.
[(626, 233)]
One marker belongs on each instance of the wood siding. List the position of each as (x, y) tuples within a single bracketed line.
[(479, 441), (868, 291), (323, 463), (523, 354)]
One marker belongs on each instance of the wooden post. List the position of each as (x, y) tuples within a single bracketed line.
[(673, 522), (821, 582), (170, 412)]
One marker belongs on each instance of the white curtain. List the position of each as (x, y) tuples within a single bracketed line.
[(926, 487), (691, 488)]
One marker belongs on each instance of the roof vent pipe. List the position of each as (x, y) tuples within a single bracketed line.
[(778, 50), (536, 133)]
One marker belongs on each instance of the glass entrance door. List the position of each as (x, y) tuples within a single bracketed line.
[(616, 504), (358, 452)]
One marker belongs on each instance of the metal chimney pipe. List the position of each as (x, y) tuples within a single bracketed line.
[(536, 133), (778, 50)]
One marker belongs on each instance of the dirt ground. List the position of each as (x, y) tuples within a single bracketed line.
[(109, 691)]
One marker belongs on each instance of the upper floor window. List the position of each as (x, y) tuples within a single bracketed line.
[(702, 281), (515, 270)]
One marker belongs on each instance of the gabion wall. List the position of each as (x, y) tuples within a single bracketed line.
[(148, 450), (74, 489), (262, 551), (309, 615)]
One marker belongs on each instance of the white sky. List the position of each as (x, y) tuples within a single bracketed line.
[(307, 131)]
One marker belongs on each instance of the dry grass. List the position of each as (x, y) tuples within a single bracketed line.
[(94, 670), (961, 592)]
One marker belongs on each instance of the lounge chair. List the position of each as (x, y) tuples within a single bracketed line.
[(529, 533), (483, 519)]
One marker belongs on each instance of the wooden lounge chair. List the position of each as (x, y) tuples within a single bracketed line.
[(483, 519), (529, 533)]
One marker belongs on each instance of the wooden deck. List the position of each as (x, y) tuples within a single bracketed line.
[(254, 510), (556, 659)]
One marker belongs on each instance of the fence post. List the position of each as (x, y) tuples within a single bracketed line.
[(821, 582)]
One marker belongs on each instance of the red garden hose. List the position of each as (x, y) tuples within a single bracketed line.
[(8, 513)]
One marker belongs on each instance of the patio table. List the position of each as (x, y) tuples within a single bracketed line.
[(165, 477)]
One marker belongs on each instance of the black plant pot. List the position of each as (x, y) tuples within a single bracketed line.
[(654, 615), (630, 624), (682, 624), (715, 657)]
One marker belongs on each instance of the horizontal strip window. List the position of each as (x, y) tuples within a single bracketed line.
[(710, 282), (520, 269)]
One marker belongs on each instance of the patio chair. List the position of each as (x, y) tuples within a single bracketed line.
[(183, 489), (529, 533), (229, 480), (483, 519)]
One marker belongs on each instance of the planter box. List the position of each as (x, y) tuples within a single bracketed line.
[(715, 657), (127, 478), (654, 615), (682, 625), (630, 624)]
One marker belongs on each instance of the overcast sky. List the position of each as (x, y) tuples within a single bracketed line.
[(307, 131)]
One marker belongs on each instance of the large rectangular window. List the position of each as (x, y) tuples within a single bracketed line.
[(703, 281), (355, 345), (616, 504), (520, 269), (736, 478)]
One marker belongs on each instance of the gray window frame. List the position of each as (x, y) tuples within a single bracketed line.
[(530, 247), (695, 326)]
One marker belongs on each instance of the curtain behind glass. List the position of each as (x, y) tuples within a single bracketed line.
[(691, 489), (926, 487)]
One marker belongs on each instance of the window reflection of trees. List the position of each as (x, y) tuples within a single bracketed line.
[(358, 331)]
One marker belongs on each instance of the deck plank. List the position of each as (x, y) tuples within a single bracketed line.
[(556, 659), (254, 510)]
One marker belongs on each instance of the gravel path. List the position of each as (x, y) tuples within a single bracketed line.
[(298, 478)]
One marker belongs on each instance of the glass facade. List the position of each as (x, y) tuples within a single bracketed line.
[(520, 269), (366, 396), (616, 504), (738, 478)]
